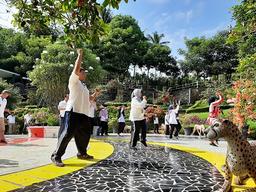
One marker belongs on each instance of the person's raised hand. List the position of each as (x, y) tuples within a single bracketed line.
[(79, 51)]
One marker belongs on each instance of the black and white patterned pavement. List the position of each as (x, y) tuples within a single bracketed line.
[(153, 168)]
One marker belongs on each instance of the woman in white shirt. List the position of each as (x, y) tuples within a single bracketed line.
[(137, 117), (173, 123)]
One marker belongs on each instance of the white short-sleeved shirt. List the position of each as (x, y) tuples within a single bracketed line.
[(156, 121), (27, 118), (92, 109), (172, 116), (166, 119), (121, 119), (11, 119), (78, 96), (137, 109), (62, 106), (3, 103)]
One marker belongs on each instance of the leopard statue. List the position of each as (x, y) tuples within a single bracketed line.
[(241, 155)]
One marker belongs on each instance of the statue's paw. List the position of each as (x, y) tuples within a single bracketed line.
[(226, 187)]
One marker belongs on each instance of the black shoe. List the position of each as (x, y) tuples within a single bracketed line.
[(84, 157), (57, 162), (213, 144), (3, 141), (144, 143), (133, 148)]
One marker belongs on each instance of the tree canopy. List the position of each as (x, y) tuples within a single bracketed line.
[(77, 21)]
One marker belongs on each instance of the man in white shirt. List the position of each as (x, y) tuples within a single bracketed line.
[(62, 107), (11, 123), (3, 102), (27, 121), (76, 118)]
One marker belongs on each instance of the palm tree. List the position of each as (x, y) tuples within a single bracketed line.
[(106, 15), (156, 38)]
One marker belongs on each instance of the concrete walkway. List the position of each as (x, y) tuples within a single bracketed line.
[(19, 156)]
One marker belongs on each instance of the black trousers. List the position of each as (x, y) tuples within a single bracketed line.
[(121, 126), (61, 126), (92, 123), (156, 128), (175, 127), (167, 131), (138, 126), (75, 125), (104, 127)]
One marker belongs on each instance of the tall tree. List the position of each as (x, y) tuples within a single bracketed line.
[(120, 47), (212, 56), (156, 39), (159, 57), (244, 34)]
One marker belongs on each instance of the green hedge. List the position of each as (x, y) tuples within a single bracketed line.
[(206, 109)]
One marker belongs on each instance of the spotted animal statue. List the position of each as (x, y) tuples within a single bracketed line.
[(241, 155)]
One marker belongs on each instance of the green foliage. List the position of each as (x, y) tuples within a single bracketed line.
[(210, 56), (18, 52), (243, 34), (206, 109), (78, 20), (41, 116), (52, 120), (15, 94), (118, 48)]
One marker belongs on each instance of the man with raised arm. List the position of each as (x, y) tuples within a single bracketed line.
[(76, 120)]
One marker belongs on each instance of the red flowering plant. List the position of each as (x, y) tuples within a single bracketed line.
[(243, 96), (152, 110)]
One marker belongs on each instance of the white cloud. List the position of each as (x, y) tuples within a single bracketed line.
[(213, 31), (184, 15)]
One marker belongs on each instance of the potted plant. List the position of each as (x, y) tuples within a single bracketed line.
[(186, 124)]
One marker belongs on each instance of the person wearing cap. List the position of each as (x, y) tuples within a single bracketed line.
[(76, 118), (137, 117), (3, 102)]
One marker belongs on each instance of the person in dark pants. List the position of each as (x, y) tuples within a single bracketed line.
[(76, 120), (137, 117), (166, 122), (156, 124), (62, 107), (121, 120), (104, 120), (92, 109), (173, 121)]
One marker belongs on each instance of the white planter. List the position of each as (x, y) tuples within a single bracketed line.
[(51, 131)]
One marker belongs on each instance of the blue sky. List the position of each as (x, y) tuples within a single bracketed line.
[(177, 19)]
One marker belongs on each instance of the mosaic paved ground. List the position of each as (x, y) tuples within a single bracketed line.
[(147, 169)]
